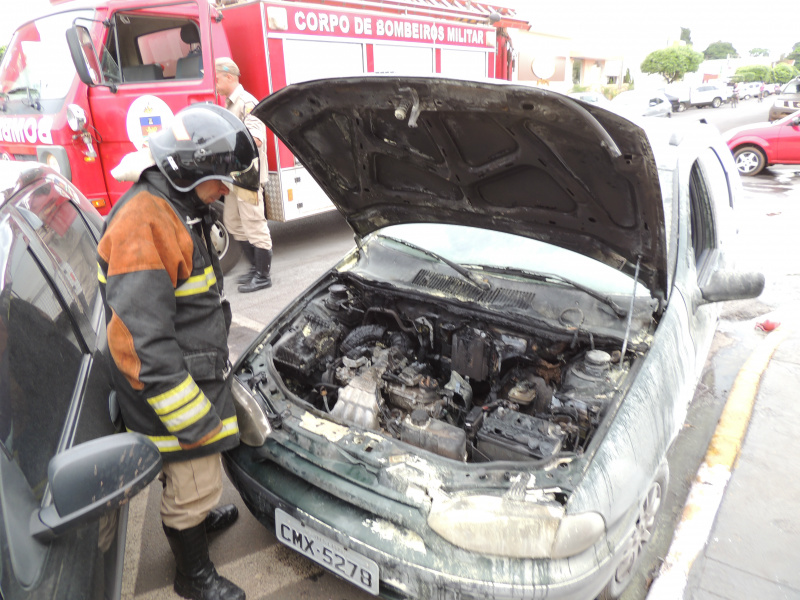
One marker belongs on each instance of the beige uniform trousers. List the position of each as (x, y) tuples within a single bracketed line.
[(191, 489), (246, 222)]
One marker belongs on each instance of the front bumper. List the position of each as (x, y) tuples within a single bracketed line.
[(414, 561)]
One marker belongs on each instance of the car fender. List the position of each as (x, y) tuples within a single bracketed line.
[(752, 140)]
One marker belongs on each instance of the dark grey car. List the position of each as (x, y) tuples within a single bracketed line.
[(477, 401), (63, 485)]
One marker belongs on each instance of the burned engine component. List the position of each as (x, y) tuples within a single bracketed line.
[(473, 355), (311, 341), (511, 435), (461, 388), (420, 430)]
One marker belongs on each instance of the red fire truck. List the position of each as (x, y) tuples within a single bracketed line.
[(86, 83)]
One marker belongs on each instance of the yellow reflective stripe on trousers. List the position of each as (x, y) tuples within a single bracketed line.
[(100, 276), (169, 443), (197, 284), (183, 418), (175, 398)]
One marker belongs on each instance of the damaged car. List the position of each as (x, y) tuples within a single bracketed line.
[(477, 401)]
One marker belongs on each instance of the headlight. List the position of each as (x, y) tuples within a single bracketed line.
[(52, 162), (514, 528), (76, 117), (55, 157), (254, 428)]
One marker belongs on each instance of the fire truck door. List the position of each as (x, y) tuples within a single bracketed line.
[(161, 62)]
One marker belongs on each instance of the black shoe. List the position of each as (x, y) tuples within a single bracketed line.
[(247, 276), (262, 278), (195, 575), (249, 252), (221, 518)]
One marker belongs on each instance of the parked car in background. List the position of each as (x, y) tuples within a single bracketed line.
[(787, 101), (750, 90), (760, 145), (641, 103), (64, 481), (591, 97), (683, 96), (478, 400)]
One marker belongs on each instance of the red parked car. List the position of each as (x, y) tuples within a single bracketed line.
[(759, 145)]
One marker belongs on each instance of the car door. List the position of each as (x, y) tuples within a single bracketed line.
[(54, 390), (787, 147)]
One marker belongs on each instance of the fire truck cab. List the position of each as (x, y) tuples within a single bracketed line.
[(85, 84)]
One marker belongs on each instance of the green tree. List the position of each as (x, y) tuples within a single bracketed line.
[(686, 35), (759, 52), (784, 73), (754, 73), (2, 52), (795, 53), (720, 50), (672, 63)]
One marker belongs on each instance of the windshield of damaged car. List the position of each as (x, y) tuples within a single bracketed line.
[(493, 249)]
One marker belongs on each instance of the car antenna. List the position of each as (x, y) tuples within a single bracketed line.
[(630, 311)]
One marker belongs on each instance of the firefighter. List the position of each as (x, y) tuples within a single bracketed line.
[(167, 321), (244, 215)]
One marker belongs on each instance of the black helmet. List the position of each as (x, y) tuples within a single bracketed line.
[(204, 142)]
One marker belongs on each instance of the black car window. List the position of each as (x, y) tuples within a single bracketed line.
[(62, 229), (703, 232), (40, 362)]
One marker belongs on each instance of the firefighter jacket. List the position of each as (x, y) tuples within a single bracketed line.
[(167, 320)]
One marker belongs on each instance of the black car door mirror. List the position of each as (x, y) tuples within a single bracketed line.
[(95, 478), (732, 285)]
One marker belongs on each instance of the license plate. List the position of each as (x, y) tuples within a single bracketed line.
[(352, 566)]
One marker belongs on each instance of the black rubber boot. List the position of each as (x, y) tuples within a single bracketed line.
[(221, 518), (261, 279), (250, 253), (195, 575)]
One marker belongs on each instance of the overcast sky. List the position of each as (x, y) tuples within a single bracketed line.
[(640, 26)]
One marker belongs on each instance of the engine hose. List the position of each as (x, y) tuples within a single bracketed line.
[(361, 336)]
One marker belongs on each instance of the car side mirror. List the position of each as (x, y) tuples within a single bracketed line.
[(84, 56), (732, 285), (796, 121), (94, 478)]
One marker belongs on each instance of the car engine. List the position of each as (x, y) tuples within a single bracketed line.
[(463, 384)]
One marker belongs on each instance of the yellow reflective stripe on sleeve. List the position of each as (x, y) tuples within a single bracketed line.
[(197, 284), (166, 443), (170, 443), (181, 419), (175, 398), (229, 427), (100, 276)]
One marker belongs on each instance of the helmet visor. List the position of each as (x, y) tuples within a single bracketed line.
[(248, 178)]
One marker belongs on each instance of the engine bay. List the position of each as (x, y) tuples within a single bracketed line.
[(462, 384)]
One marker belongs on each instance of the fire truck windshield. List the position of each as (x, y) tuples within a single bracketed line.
[(37, 66)]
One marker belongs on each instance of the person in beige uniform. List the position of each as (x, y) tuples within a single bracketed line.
[(244, 211)]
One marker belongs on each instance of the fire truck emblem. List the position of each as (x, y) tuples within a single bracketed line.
[(147, 115), (150, 125)]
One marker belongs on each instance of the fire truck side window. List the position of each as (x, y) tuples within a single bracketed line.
[(154, 47)]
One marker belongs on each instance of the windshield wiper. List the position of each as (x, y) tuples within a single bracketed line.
[(618, 310), (33, 95), (478, 281)]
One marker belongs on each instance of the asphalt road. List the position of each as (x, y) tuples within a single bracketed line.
[(250, 555)]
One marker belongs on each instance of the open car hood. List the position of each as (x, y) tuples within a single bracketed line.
[(391, 150)]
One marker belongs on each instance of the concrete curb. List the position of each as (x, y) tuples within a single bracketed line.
[(712, 478)]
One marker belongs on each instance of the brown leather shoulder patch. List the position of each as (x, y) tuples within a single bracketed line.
[(146, 234)]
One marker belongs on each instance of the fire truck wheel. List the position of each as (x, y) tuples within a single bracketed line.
[(228, 249)]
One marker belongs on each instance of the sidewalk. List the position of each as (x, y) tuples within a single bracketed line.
[(752, 551)]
